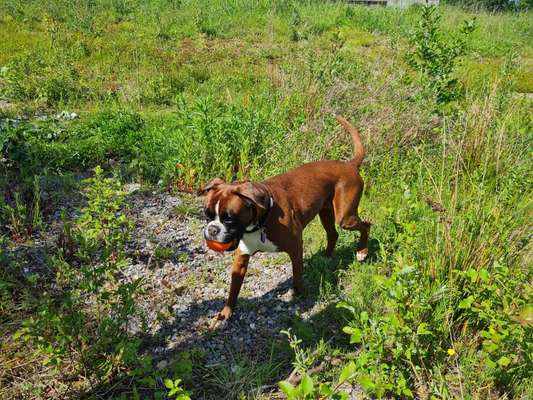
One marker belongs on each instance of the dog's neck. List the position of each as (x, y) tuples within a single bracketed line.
[(261, 222)]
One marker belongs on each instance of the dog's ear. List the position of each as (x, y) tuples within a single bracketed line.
[(255, 194), (210, 186)]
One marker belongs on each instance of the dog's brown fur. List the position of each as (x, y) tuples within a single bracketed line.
[(331, 189)]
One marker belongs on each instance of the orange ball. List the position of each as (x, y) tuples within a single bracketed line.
[(217, 246)]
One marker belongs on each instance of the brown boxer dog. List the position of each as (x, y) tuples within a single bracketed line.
[(271, 215)]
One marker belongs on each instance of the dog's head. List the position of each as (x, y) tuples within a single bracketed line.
[(232, 207)]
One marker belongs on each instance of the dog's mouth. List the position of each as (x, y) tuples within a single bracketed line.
[(220, 247), (234, 245), (219, 238)]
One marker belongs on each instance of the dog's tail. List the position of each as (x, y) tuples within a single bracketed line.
[(359, 149)]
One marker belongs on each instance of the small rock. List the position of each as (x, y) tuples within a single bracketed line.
[(65, 115), (173, 201), (132, 187), (162, 364)]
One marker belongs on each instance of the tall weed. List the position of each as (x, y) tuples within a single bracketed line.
[(43, 78), (445, 306), (84, 325), (435, 56), (22, 218)]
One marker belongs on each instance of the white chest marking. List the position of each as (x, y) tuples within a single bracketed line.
[(256, 241)]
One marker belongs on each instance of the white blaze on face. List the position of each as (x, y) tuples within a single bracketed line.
[(217, 216), (219, 225), (256, 241)]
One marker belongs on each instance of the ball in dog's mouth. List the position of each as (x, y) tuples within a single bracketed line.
[(220, 247)]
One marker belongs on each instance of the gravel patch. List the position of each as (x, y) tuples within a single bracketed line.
[(187, 287), (185, 284)]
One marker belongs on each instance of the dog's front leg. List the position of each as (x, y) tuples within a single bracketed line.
[(297, 259), (238, 271)]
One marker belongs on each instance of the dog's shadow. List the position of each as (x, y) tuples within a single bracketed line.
[(253, 336)]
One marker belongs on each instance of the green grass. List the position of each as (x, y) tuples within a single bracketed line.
[(184, 91), (144, 55)]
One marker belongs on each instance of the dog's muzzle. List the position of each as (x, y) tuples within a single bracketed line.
[(218, 232)]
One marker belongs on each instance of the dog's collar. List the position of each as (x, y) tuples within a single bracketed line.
[(261, 223)]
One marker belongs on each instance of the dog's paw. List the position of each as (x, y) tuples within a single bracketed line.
[(221, 318), (361, 255), (217, 324), (294, 295)]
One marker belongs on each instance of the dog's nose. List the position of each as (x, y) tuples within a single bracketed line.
[(213, 230)]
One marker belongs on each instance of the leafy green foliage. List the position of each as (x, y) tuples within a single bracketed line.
[(209, 138), (64, 324), (493, 5), (34, 76), (202, 139), (175, 390), (436, 56), (47, 146), (490, 304), (448, 287), (301, 358), (22, 219), (182, 91), (306, 388), (104, 225)]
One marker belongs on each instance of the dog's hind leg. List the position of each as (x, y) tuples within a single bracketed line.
[(357, 224), (346, 202), (327, 217)]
